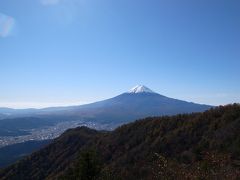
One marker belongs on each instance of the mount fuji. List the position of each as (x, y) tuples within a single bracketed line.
[(138, 102), (140, 89)]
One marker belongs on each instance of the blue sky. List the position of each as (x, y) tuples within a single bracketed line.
[(62, 52)]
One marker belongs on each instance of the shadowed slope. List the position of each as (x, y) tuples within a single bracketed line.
[(185, 141)]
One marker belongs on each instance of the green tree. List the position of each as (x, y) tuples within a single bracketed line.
[(89, 165)]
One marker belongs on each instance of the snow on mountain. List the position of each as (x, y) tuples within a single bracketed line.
[(140, 89)]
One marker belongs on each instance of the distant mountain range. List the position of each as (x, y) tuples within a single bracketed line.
[(23, 125), (139, 102)]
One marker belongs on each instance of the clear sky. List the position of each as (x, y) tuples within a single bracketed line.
[(62, 52)]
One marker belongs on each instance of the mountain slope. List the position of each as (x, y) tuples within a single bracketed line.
[(139, 102), (201, 145), (12, 153)]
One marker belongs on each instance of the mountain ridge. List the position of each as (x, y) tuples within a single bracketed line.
[(191, 146), (135, 90)]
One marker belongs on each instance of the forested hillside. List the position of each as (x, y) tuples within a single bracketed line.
[(189, 146)]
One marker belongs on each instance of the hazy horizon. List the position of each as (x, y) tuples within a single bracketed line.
[(37, 105)]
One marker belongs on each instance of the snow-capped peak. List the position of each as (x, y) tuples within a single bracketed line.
[(140, 89)]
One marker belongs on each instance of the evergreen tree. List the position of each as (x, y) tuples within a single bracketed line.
[(88, 166)]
